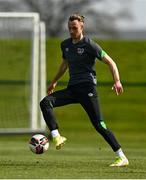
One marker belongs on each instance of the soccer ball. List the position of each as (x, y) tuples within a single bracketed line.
[(38, 144)]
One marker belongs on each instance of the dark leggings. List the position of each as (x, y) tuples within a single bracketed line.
[(86, 95)]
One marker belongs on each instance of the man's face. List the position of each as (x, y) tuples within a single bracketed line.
[(75, 29)]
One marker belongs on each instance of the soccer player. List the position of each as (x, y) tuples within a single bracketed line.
[(79, 54)]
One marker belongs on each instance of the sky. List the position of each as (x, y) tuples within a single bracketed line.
[(136, 8), (138, 11)]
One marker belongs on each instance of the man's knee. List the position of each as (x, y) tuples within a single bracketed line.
[(46, 102)]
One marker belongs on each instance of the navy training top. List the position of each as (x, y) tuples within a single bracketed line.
[(81, 58)]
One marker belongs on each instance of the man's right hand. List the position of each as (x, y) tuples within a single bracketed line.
[(51, 87)]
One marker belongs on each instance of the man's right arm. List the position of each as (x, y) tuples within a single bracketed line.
[(62, 68)]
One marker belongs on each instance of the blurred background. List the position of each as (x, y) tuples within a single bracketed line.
[(104, 19), (119, 27)]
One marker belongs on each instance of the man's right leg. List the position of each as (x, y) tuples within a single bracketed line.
[(56, 99)]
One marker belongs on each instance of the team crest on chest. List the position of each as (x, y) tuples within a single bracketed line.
[(80, 50)]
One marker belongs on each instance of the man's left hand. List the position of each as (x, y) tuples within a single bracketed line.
[(117, 87)]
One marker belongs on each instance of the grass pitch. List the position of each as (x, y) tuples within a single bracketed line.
[(86, 154), (84, 157)]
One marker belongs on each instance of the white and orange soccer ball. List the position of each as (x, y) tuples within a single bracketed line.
[(38, 144)]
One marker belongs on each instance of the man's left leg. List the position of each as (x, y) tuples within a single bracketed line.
[(90, 103)]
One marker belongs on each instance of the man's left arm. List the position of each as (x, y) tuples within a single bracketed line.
[(117, 87)]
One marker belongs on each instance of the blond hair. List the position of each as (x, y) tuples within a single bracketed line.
[(76, 16)]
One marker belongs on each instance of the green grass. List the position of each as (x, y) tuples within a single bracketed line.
[(129, 56), (123, 113), (15, 56), (15, 73), (14, 106), (86, 154)]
